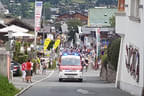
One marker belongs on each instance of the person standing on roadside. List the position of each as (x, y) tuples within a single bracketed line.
[(28, 71), (86, 64), (44, 67), (31, 71), (23, 71)]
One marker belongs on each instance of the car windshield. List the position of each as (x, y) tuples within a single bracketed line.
[(70, 61)]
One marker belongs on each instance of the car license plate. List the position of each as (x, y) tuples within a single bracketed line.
[(70, 76), (68, 70)]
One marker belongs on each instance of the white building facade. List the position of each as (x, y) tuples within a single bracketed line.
[(130, 25)]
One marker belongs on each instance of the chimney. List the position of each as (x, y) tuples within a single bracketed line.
[(121, 5)]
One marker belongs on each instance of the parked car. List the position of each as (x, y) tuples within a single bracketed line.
[(16, 68)]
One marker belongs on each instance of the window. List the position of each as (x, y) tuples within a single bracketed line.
[(71, 61), (134, 8)]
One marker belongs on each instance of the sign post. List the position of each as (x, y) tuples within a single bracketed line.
[(38, 13)]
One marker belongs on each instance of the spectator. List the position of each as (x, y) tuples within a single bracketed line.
[(28, 71), (86, 63), (44, 67), (23, 71), (31, 69)]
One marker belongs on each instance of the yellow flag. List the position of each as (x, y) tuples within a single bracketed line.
[(46, 43), (57, 42)]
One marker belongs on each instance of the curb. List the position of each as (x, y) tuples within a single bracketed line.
[(22, 91)]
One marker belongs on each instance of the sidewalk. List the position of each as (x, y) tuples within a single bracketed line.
[(17, 81)]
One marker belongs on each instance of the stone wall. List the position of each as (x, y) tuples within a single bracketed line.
[(108, 74), (4, 63)]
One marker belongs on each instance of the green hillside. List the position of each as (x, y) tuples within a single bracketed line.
[(25, 8)]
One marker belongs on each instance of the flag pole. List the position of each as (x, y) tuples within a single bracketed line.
[(38, 13)]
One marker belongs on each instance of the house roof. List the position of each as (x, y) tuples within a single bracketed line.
[(100, 16), (29, 21), (18, 22), (79, 14), (13, 28), (2, 25), (75, 15)]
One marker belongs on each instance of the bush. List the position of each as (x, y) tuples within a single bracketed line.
[(21, 58), (105, 60), (113, 52), (6, 88), (34, 61), (54, 64)]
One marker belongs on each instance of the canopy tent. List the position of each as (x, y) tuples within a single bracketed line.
[(13, 28), (20, 34)]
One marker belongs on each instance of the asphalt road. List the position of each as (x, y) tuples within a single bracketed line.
[(91, 86)]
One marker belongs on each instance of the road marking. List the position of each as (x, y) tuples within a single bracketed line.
[(82, 91)]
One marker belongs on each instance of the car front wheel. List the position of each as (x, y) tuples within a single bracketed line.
[(60, 79)]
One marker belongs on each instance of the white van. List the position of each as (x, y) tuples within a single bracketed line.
[(70, 67)]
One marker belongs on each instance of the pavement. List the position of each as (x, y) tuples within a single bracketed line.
[(22, 85)]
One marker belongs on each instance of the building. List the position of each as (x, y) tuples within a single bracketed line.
[(130, 26), (88, 35), (78, 16), (3, 10), (100, 16), (16, 22)]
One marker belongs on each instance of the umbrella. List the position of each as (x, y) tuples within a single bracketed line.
[(20, 34), (13, 28)]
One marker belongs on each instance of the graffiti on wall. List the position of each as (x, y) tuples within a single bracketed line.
[(132, 61)]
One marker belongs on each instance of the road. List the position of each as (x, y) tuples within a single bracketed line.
[(91, 86)]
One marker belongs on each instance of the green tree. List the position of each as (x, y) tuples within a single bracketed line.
[(73, 28), (113, 52), (112, 21), (25, 9), (46, 10), (6, 2)]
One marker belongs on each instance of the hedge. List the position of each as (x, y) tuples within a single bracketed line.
[(113, 53), (6, 88)]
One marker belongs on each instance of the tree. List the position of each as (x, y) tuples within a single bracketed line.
[(73, 28), (112, 21), (46, 10), (113, 52), (25, 8)]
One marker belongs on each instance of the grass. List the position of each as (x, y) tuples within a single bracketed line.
[(6, 88)]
